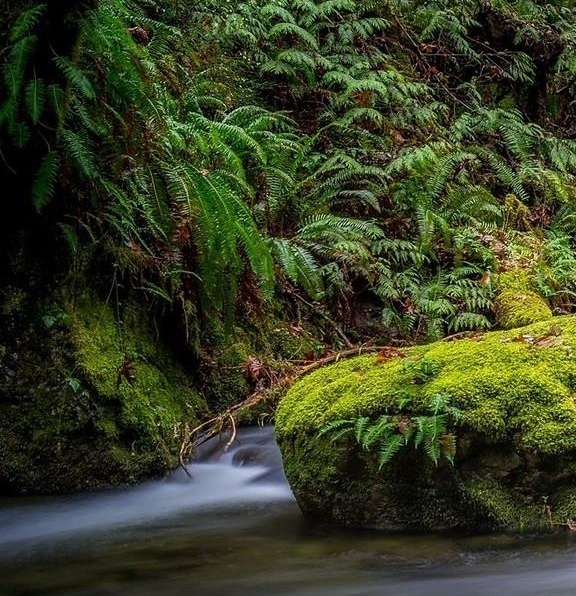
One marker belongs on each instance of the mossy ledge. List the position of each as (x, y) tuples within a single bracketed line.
[(88, 400), (517, 304), (515, 465)]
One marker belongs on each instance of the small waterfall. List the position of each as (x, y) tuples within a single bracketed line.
[(249, 472)]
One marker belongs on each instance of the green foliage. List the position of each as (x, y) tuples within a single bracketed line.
[(45, 182), (333, 148), (555, 274), (388, 434)]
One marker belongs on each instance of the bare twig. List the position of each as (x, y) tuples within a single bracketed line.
[(197, 436), (233, 434)]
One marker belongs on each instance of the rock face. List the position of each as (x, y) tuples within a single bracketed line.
[(515, 462), (86, 402)]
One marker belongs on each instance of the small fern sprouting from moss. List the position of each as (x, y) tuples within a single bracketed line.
[(388, 434)]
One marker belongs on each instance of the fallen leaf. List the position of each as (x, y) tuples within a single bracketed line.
[(548, 341), (388, 353)]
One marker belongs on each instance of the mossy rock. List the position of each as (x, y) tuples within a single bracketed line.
[(126, 365), (517, 304), (516, 437), (87, 401)]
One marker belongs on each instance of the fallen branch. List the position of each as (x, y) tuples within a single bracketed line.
[(197, 436)]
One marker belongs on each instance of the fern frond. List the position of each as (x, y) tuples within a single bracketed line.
[(76, 76), (293, 31), (389, 449), (79, 150), (26, 22), (17, 62), (45, 181), (299, 266), (70, 236), (378, 431), (338, 428), (35, 96), (360, 426)]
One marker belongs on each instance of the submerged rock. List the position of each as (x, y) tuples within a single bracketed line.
[(515, 461)]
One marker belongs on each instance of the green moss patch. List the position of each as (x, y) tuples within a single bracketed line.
[(126, 365), (87, 401), (517, 304)]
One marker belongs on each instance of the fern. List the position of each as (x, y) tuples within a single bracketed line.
[(338, 429), (390, 448), (299, 266), (379, 431), (16, 64), (294, 31), (45, 181), (78, 149), (26, 22), (76, 76), (388, 434), (35, 96)]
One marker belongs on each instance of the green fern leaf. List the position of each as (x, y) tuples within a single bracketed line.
[(360, 426), (76, 76), (35, 95), (45, 181), (20, 133), (17, 62), (26, 22), (57, 100), (70, 236), (80, 152), (294, 31), (338, 429), (389, 449), (379, 431)]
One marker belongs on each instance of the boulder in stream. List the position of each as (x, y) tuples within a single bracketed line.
[(503, 455)]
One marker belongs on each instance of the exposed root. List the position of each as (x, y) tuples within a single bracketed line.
[(227, 421)]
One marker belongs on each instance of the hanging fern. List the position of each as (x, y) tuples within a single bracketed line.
[(35, 95), (45, 182)]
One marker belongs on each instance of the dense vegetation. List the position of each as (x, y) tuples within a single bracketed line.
[(391, 170)]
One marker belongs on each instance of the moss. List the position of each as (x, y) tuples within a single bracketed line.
[(514, 388), (517, 309), (223, 381), (290, 342), (68, 420), (486, 498), (517, 304), (499, 383), (124, 364)]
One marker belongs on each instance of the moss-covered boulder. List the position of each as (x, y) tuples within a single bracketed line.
[(515, 462), (89, 398), (517, 303)]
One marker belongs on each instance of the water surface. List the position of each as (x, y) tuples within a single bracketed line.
[(235, 530)]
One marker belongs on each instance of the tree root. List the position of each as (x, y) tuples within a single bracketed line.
[(227, 421)]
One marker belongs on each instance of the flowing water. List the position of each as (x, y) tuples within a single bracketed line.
[(235, 530)]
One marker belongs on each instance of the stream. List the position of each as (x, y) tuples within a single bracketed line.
[(234, 529)]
